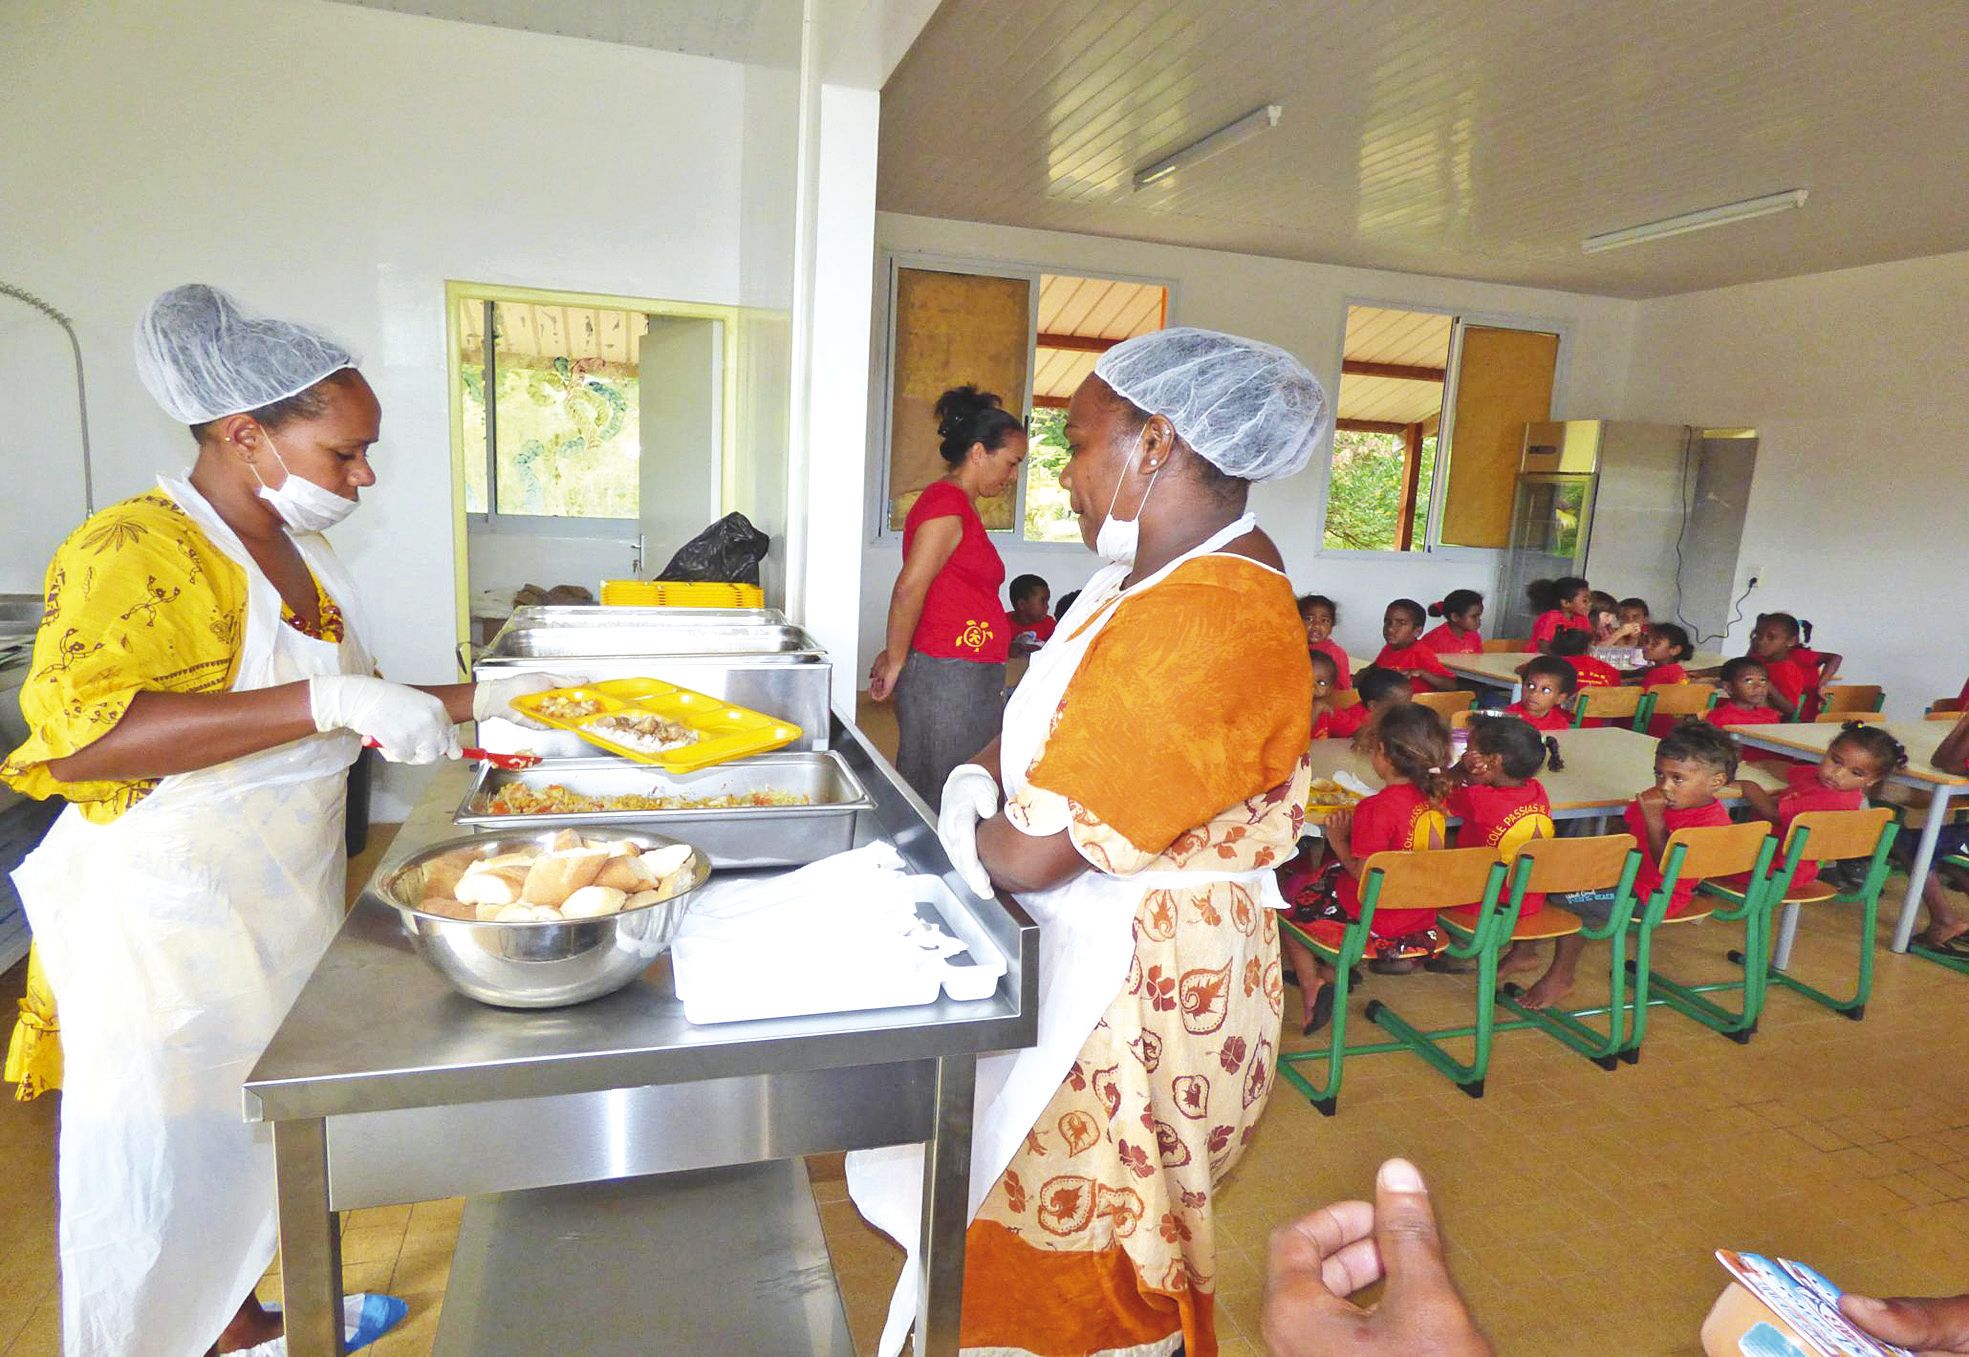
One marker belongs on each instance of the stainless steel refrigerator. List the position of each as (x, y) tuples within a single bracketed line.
[(1642, 510)]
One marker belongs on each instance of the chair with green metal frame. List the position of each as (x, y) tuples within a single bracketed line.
[(1430, 878), (1856, 699), (1827, 836), (1543, 866), (1954, 961), (1747, 851), (1636, 705)]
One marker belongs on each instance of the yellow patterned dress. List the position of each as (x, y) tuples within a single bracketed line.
[(1179, 747), (136, 600)]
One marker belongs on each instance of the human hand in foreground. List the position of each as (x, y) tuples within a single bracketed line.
[(969, 795), (1929, 1325), (494, 697), (882, 676), (407, 725), (1321, 1259)]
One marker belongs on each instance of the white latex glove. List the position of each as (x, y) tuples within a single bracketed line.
[(494, 697), (969, 795), (409, 726)]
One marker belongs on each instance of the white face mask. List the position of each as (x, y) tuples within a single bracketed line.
[(301, 504), (1117, 542)]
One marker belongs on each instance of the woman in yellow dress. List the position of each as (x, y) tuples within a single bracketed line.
[(1152, 773), (200, 686)]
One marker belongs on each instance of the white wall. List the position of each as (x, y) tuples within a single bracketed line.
[(1856, 384), (1301, 308)]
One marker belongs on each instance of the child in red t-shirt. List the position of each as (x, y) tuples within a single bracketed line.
[(1401, 628), (1030, 620), (1665, 646), (1321, 614), (1566, 602), (1746, 696), (1947, 928), (1571, 647), (1462, 611), (1543, 687), (1692, 765), (1503, 805), (1795, 674), (1858, 757), (1380, 690), (1325, 681)]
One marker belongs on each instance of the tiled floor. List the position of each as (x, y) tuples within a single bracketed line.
[(1581, 1206)]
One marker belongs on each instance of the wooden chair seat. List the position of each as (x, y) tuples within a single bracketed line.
[(1697, 913), (1549, 922), (1814, 892)]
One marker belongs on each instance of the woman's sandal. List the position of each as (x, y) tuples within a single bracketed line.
[(1322, 1011)]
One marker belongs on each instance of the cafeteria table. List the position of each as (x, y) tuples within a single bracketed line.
[(1498, 669), (1809, 741)]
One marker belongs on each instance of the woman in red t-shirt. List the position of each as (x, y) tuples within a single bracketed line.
[(948, 637)]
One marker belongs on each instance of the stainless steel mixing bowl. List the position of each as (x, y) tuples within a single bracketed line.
[(537, 965)]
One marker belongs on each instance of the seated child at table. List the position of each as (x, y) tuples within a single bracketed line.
[(1066, 602), (1462, 611), (1948, 927), (1544, 685), (1380, 691), (1634, 612), (1746, 696), (1408, 751), (1561, 603), (1665, 646), (1401, 628), (1326, 678), (1795, 674), (1693, 763), (1570, 646), (1854, 763), (1320, 614), (1501, 802), (1603, 612), (1030, 623)]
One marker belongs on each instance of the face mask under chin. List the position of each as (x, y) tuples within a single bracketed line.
[(302, 505)]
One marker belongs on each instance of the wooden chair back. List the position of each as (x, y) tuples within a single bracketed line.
[(1608, 703), (1431, 878), (1851, 697), (1946, 714), (1865, 718), (1512, 645), (1446, 704), (1838, 834), (1949, 707), (1718, 850), (1590, 864), (1460, 720), (1683, 699), (1344, 698)]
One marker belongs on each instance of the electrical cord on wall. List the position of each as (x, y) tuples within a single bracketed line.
[(1682, 532), (20, 294)]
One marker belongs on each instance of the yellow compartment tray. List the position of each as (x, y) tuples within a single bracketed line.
[(724, 732)]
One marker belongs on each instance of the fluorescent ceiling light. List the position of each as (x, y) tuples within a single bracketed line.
[(1250, 125), (1696, 221)]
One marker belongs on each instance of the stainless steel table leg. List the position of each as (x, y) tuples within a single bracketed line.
[(946, 1209), (1924, 857), (310, 1240)]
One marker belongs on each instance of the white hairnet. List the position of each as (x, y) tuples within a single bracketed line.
[(203, 357), (1251, 410)]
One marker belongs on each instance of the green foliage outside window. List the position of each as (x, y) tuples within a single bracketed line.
[(1049, 513), (569, 438), (1364, 494)]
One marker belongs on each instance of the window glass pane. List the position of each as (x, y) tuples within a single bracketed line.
[(1364, 496), (567, 422), (1384, 450), (1049, 515), (471, 376)]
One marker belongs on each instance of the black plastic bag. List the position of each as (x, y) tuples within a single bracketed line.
[(727, 552)]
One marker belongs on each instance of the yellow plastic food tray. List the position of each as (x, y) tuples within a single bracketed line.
[(680, 594), (724, 732)]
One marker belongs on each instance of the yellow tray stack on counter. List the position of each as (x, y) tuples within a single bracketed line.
[(680, 594), (721, 731)]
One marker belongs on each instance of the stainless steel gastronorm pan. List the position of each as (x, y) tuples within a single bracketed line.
[(747, 836)]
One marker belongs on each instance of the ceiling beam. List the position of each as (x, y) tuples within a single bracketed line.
[(1076, 343), (1049, 402), (1360, 367), (1370, 426)]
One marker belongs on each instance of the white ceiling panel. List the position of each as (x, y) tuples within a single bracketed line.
[(730, 30), (1474, 138)]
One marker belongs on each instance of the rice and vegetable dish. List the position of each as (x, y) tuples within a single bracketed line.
[(554, 799)]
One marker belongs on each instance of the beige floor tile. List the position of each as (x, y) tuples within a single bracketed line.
[(420, 1273), (372, 1244)]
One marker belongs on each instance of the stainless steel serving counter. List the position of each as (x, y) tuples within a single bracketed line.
[(386, 1086)]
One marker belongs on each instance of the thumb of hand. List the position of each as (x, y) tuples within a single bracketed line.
[(1411, 1245), (1941, 1324)]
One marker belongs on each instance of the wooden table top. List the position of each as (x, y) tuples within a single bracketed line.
[(1811, 738), (1606, 767), (1499, 668)]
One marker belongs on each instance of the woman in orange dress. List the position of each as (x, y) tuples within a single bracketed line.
[(1152, 768)]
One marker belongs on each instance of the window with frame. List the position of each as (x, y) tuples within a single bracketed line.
[(1030, 336), (1429, 428), (551, 412)]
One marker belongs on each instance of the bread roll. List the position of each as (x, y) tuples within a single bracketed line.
[(643, 898), (565, 840), (626, 874), (501, 886), (557, 875), (524, 914), (450, 909), (442, 875), (592, 902), (493, 864), (665, 860)]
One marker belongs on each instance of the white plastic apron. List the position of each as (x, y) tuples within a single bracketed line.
[(175, 938), (1086, 937)]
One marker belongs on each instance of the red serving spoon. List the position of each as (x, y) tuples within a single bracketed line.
[(512, 763)]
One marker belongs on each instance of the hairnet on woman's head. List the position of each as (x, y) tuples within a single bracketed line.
[(203, 357), (1251, 410)]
